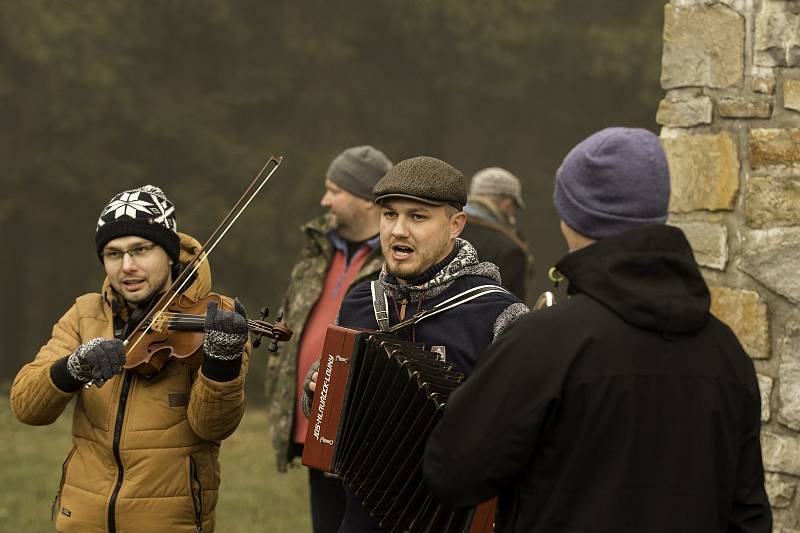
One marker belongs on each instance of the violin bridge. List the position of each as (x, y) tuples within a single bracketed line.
[(159, 324)]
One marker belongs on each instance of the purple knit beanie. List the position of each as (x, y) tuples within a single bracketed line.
[(615, 180)]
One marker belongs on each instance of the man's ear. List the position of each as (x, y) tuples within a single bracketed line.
[(457, 223)]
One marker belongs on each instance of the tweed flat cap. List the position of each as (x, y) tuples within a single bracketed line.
[(426, 179)]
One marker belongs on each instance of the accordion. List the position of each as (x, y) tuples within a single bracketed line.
[(377, 400)]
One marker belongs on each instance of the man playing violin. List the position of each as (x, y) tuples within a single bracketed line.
[(145, 451)]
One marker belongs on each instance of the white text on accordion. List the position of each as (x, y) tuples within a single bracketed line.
[(323, 395)]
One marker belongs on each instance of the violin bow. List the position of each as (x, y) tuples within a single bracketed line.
[(204, 252)]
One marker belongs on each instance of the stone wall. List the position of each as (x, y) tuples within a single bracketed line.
[(731, 130)]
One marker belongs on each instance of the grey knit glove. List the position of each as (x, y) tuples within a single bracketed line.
[(226, 332), (96, 360)]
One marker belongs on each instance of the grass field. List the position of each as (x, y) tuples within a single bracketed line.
[(254, 498)]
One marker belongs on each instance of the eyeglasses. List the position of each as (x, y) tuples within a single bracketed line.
[(140, 252)]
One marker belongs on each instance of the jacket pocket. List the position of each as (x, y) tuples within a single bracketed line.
[(54, 508), (196, 492), (161, 403)]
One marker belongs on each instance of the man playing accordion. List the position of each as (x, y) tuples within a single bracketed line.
[(425, 263)]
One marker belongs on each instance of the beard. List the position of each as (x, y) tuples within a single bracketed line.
[(419, 261)]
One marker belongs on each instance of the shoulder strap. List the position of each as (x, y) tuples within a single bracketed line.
[(380, 305), (455, 301)]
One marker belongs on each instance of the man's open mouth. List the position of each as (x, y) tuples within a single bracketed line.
[(401, 250)]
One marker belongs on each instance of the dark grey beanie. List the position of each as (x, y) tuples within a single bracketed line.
[(145, 212), (358, 169), (615, 180), (426, 179)]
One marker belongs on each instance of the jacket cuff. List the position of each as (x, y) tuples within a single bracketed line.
[(62, 379), (220, 369)]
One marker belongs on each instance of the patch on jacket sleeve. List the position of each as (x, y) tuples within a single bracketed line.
[(66, 512), (441, 350), (178, 399)]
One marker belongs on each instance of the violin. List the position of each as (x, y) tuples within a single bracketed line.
[(174, 326), (179, 330)]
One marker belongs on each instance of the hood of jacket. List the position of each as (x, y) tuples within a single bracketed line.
[(198, 288), (647, 276), (463, 261)]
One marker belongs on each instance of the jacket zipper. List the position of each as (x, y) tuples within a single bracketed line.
[(123, 400), (197, 501), (57, 500)]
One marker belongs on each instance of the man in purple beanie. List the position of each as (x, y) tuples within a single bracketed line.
[(626, 408)]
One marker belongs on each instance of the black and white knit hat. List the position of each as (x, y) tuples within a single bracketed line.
[(145, 212)]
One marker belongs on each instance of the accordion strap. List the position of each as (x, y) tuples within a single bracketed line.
[(381, 305)]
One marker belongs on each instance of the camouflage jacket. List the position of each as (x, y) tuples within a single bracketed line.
[(304, 289)]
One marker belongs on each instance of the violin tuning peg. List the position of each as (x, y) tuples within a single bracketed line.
[(264, 313), (273, 346)]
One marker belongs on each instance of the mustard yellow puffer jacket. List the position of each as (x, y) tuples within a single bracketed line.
[(145, 452)]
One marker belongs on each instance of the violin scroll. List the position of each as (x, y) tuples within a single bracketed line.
[(278, 332)]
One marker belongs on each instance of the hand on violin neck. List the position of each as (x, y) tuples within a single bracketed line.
[(97, 360), (226, 332)]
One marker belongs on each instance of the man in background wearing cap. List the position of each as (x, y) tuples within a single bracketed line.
[(627, 408), (341, 249), (495, 194), (145, 451), (426, 263)]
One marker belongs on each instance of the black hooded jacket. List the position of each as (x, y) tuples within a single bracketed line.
[(626, 408)]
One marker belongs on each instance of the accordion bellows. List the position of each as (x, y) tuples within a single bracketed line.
[(377, 400)]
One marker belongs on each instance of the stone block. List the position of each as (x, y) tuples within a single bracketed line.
[(745, 312), (744, 108), (704, 170), (770, 201), (709, 242), (771, 257), (780, 489), (764, 84), (685, 113), (791, 94), (789, 374), (781, 453), (765, 387), (777, 36), (703, 47), (775, 148)]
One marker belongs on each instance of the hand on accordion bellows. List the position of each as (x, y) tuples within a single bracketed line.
[(309, 386), (96, 360), (226, 332)]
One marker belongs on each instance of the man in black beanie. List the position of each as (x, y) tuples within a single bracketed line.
[(426, 263), (145, 448), (340, 250), (627, 408)]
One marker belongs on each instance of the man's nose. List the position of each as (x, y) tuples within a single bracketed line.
[(128, 263), (400, 227), (325, 201)]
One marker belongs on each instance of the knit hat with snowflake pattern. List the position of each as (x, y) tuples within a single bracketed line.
[(144, 212)]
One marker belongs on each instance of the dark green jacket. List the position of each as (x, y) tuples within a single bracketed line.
[(303, 292)]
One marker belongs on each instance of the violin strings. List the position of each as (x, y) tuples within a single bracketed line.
[(181, 319)]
